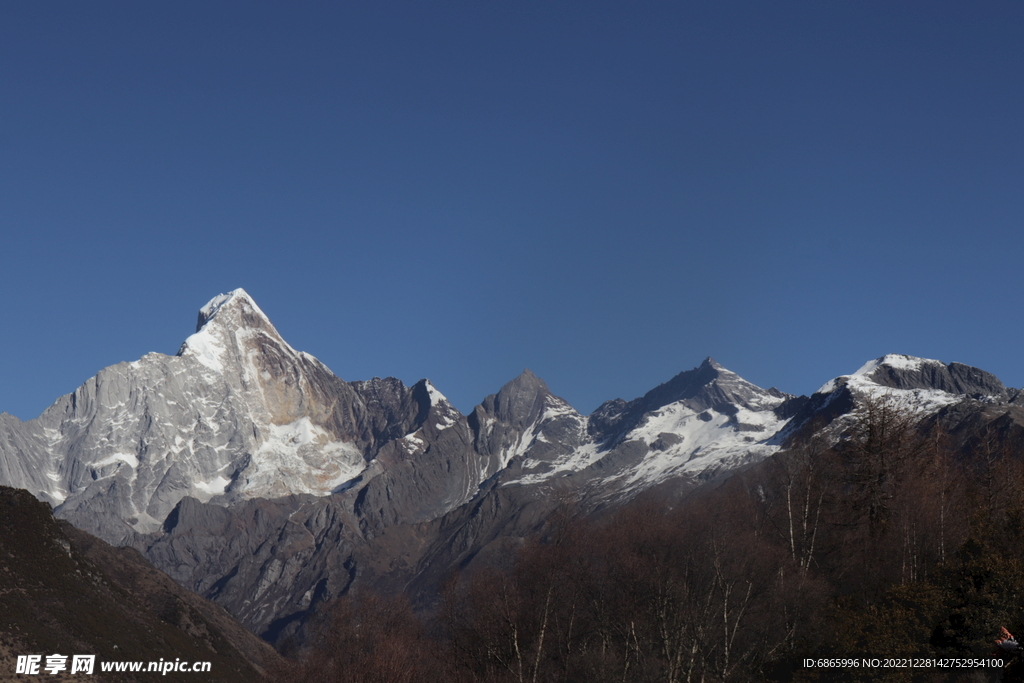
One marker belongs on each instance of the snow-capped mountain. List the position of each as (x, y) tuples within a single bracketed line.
[(254, 476), (924, 386), (698, 423), (236, 414), (239, 414)]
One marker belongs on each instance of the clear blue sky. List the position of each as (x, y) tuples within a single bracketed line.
[(605, 193)]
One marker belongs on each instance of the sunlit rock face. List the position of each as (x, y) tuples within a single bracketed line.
[(237, 413)]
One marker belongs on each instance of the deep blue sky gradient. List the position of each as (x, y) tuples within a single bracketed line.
[(605, 193)]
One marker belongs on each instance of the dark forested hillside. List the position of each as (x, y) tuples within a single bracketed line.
[(63, 591)]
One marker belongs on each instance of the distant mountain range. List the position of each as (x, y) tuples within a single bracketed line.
[(255, 477)]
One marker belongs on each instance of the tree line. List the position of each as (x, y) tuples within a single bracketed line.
[(902, 539)]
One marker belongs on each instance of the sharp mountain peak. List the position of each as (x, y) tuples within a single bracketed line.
[(233, 309)]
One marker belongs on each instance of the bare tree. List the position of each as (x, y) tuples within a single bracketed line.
[(800, 479), (370, 640), (884, 440)]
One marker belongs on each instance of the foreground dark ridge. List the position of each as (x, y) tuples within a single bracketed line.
[(66, 592)]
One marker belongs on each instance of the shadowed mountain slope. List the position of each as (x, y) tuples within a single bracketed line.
[(66, 592)]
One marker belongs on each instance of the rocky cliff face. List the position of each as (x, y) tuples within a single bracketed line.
[(254, 476), (237, 414)]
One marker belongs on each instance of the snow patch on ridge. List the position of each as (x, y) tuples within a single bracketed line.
[(896, 361), (860, 382), (208, 489), (555, 407), (412, 442), (904, 362), (300, 457), (128, 458), (445, 412), (707, 439), (217, 302), (436, 397), (574, 461), (206, 349)]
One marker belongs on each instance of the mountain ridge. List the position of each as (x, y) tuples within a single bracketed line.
[(256, 477)]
